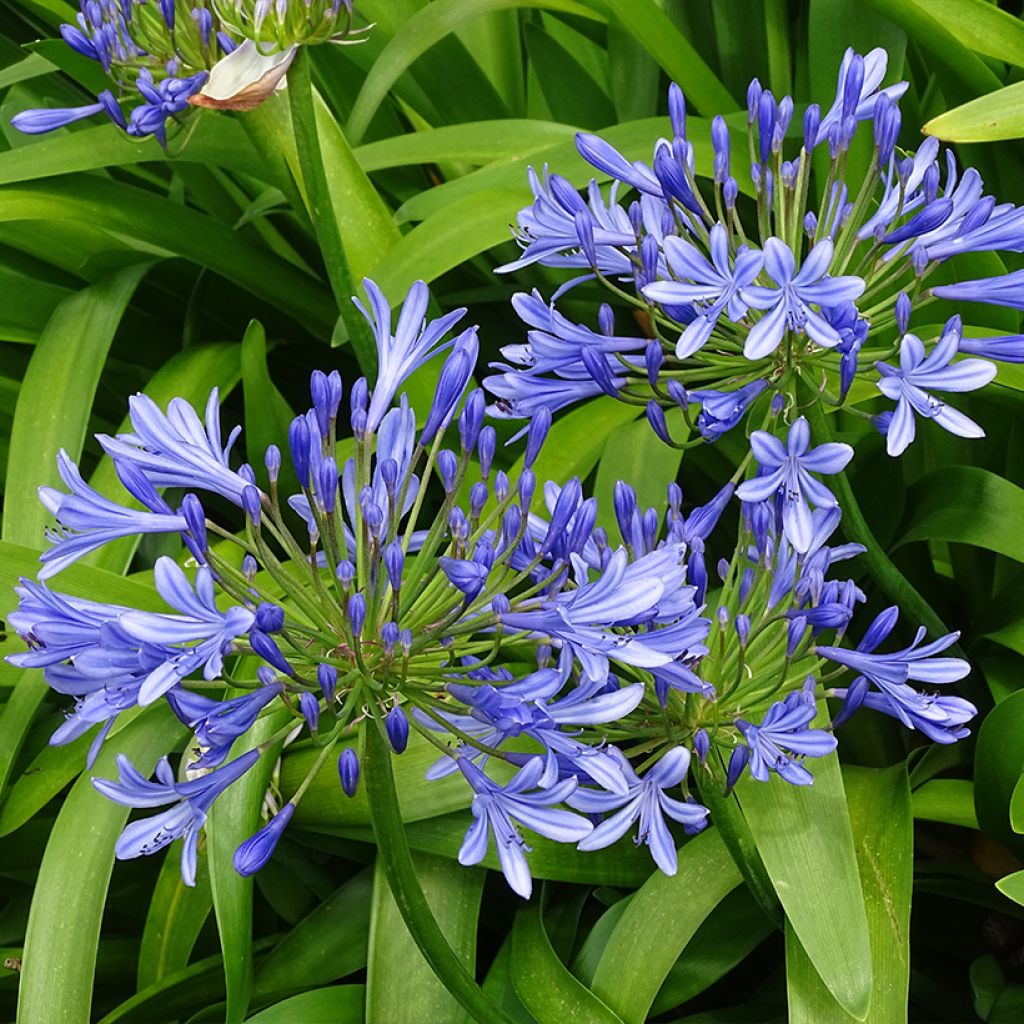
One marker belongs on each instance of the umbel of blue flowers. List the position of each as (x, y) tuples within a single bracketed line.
[(756, 273), (166, 57), (586, 685)]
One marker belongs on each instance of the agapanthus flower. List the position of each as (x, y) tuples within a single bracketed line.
[(918, 375)]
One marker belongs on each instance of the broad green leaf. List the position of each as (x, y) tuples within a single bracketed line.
[(397, 976), (880, 813), (991, 118), (234, 818), (267, 414), (543, 982), (635, 454), (982, 27), (804, 837), (967, 505), (655, 31), (1012, 887), (176, 915), (31, 66), (57, 394), (482, 142), (425, 28), (998, 765), (189, 374), (659, 921), (330, 943), (339, 1004), (165, 227), (71, 890), (26, 304), (1017, 807), (217, 140), (950, 801)]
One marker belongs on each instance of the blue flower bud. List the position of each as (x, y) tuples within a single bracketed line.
[(310, 707), (405, 640), (810, 223), (767, 111), (346, 573), (477, 499), (358, 396), (754, 91), (394, 563), (540, 424), (701, 745), (348, 771), (389, 636), (266, 675), (397, 726), (723, 570), (656, 418), (357, 612), (854, 698), (471, 419), (653, 360), (737, 762), (583, 525), (501, 485), (596, 364), (251, 503), (797, 631), (565, 506), (812, 121), (678, 394), (730, 193), (585, 235), (447, 468), (245, 471), (500, 605), (388, 469), (720, 145), (742, 626), (298, 445), (249, 567), (265, 647), (194, 515), (272, 460), (254, 853), (778, 403), (511, 521), (455, 375), (269, 617), (677, 110), (526, 486), (723, 616), (606, 320), (327, 677), (373, 517), (624, 506), (458, 524), (487, 444), (328, 484)]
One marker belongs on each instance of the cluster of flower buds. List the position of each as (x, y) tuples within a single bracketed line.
[(751, 286), (584, 685), (166, 57)]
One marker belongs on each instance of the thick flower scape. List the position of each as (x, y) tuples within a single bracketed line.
[(776, 283), (585, 684), (166, 57)]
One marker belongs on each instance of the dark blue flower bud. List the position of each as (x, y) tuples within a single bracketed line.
[(851, 703), (471, 419), (501, 485), (458, 524), (328, 483), (389, 636), (527, 485), (269, 617), (195, 517), (388, 469), (596, 364), (723, 571), (357, 612), (785, 115), (677, 110), (583, 525), (266, 675), (730, 193), (346, 573), (790, 168), (720, 145), (310, 707), (272, 460), (359, 395), (778, 403), (511, 521), (373, 517), (606, 320), (754, 91), (766, 114), (298, 445), (486, 446), (701, 745), (405, 640), (565, 506), (585, 236), (455, 375), (500, 605), (251, 503), (265, 647), (394, 563), (810, 223), (477, 498), (933, 216), (852, 85), (737, 762), (919, 259), (656, 418), (249, 568), (812, 121), (677, 393), (447, 468), (624, 506), (540, 424), (742, 626), (653, 359), (327, 677), (348, 771), (397, 726), (245, 471), (746, 582), (797, 631), (254, 853)]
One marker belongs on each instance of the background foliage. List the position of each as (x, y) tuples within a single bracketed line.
[(123, 268)]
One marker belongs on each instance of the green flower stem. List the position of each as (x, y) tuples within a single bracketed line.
[(322, 213), (892, 582), (393, 850)]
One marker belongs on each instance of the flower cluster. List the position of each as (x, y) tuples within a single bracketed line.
[(584, 683), (165, 57), (750, 288)]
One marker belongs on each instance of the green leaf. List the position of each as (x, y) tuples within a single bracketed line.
[(982, 27), (57, 394), (234, 818), (177, 913), (991, 118), (659, 921), (805, 840), (967, 505), (998, 765), (880, 813), (426, 27), (329, 943), (267, 414), (544, 984), (655, 31), (950, 801), (339, 1004), (70, 894), (397, 976), (1012, 887)]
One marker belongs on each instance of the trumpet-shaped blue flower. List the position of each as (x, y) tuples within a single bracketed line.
[(176, 449), (499, 810), (191, 801), (646, 802), (784, 731), (717, 285), (941, 718), (857, 89), (787, 470), (200, 621), (218, 723), (789, 305), (920, 374), (721, 410)]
